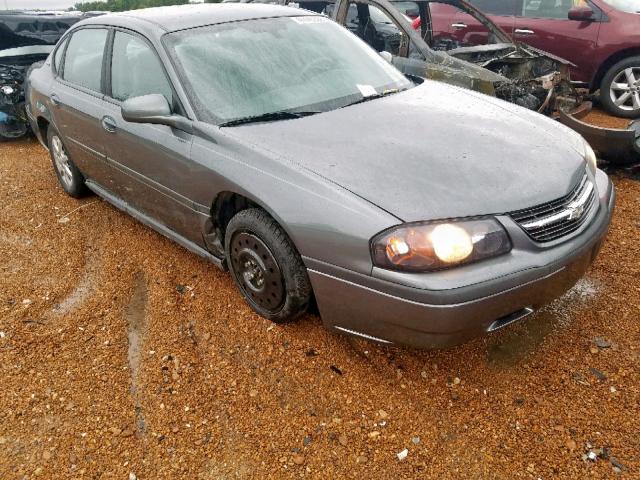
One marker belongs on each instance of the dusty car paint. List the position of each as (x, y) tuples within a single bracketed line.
[(335, 180)]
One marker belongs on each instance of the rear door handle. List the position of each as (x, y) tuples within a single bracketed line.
[(459, 25), (109, 124), (53, 98), (524, 31)]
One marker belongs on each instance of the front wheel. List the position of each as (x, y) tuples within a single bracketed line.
[(266, 267), (620, 88)]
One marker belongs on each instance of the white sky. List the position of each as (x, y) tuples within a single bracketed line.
[(41, 4)]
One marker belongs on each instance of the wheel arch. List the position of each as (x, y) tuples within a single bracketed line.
[(226, 204), (43, 125), (608, 63)]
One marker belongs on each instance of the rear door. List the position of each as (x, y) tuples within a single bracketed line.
[(152, 163), (471, 31), (544, 24), (76, 100)]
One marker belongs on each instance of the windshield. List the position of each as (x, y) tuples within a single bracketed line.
[(629, 6), (251, 68)]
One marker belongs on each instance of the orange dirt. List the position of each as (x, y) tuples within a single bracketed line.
[(603, 119), (123, 354)]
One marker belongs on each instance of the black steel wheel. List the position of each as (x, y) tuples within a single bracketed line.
[(254, 264), (266, 267)]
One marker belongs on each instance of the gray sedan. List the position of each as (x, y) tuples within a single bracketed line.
[(275, 143)]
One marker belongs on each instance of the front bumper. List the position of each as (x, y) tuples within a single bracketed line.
[(612, 144), (385, 311)]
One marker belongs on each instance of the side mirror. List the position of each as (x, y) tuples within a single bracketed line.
[(387, 56), (154, 109), (580, 14)]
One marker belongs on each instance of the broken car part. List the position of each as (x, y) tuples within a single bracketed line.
[(25, 38)]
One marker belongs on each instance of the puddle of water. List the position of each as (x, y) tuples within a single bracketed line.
[(518, 341), (78, 295), (136, 320), (15, 239)]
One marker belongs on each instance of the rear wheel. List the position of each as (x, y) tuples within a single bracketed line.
[(266, 267), (620, 88), (70, 178)]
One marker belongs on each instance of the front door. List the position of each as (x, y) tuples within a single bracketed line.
[(151, 162)]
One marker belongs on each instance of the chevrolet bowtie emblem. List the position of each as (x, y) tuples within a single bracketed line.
[(575, 212)]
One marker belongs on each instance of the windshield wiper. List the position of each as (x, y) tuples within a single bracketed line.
[(268, 117), (373, 97)]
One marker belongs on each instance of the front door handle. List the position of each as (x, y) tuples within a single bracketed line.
[(459, 25), (524, 31), (109, 124), (53, 98)]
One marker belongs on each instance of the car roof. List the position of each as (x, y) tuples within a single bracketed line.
[(181, 17)]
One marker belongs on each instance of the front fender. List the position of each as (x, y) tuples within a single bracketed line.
[(326, 222)]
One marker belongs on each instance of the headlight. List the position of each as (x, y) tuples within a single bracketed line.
[(590, 158), (420, 247)]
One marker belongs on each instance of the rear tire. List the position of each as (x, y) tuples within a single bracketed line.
[(620, 88), (266, 267), (70, 178)]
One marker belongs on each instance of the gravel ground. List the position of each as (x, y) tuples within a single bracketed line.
[(602, 119), (122, 355)]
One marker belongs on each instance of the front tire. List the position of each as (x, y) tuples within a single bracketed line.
[(266, 267), (70, 178), (620, 88)]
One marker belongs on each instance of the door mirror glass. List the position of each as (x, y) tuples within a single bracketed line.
[(581, 14)]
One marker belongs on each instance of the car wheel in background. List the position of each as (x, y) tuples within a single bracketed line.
[(620, 88), (69, 176), (266, 266)]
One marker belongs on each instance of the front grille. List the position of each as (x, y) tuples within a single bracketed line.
[(555, 219)]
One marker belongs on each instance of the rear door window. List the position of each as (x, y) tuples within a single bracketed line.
[(136, 69), (83, 60)]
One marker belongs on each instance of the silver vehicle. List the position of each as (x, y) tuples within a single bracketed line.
[(277, 144)]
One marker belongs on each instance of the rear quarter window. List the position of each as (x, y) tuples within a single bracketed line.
[(57, 57)]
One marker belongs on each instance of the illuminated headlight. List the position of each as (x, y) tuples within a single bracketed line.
[(421, 247), (590, 158)]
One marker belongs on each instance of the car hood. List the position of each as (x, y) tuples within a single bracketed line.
[(433, 151)]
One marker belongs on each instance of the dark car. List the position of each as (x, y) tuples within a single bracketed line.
[(275, 143), (25, 38), (601, 37)]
